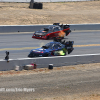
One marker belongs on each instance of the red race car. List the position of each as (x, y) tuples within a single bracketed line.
[(55, 30)]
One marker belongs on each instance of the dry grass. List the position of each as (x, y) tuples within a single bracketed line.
[(68, 12), (75, 97), (71, 98)]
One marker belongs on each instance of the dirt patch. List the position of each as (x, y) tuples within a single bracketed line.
[(67, 13), (75, 97)]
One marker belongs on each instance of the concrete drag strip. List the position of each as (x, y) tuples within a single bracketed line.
[(88, 45), (27, 48), (24, 48)]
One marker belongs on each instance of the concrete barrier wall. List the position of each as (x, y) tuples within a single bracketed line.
[(31, 28), (85, 27), (42, 0), (43, 62), (21, 28)]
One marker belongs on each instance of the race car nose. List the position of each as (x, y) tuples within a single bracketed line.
[(29, 55)]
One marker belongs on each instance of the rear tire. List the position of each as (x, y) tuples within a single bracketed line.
[(47, 37), (40, 6), (35, 6), (46, 55), (67, 33)]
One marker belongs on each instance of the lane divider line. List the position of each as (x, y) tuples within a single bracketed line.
[(24, 48), (88, 45), (27, 48)]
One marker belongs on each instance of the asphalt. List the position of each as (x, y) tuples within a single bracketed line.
[(20, 44)]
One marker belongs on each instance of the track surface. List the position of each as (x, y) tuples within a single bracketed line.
[(20, 44)]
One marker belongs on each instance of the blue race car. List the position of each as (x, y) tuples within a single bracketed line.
[(56, 48)]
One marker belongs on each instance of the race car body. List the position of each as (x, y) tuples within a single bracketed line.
[(55, 30), (53, 49)]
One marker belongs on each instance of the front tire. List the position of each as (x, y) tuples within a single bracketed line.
[(46, 55), (68, 32)]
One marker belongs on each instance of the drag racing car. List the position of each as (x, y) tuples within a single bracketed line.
[(55, 30), (54, 48)]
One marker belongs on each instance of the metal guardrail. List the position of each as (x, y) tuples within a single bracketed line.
[(43, 62), (31, 28)]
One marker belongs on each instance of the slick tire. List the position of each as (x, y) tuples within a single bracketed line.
[(67, 33), (46, 55), (50, 66), (40, 6), (36, 5), (47, 37)]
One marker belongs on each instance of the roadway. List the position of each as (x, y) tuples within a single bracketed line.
[(20, 44)]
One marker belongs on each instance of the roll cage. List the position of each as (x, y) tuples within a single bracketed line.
[(53, 28), (55, 45)]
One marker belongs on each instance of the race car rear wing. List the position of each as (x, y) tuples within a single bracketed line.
[(56, 23), (66, 26), (70, 43), (63, 41), (61, 25)]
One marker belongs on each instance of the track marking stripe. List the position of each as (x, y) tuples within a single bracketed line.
[(24, 48), (88, 45), (27, 48)]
